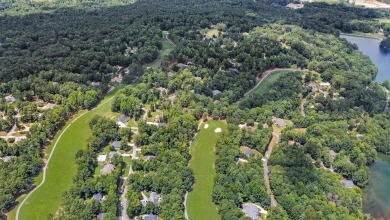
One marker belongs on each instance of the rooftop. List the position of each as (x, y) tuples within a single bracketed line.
[(251, 211), (107, 169), (123, 119), (150, 217), (279, 122), (348, 183), (101, 158), (116, 144), (248, 152)]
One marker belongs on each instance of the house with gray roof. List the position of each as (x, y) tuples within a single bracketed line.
[(150, 217), (101, 216), (181, 65), (107, 169), (348, 183), (155, 198), (122, 121), (117, 145), (251, 210), (112, 154), (216, 92), (279, 122), (98, 197), (248, 152), (10, 99)]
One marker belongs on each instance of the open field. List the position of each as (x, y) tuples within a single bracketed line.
[(167, 47), (199, 203), (368, 35), (265, 83), (212, 32), (386, 21), (62, 167)]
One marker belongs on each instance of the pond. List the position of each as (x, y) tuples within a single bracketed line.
[(370, 47)]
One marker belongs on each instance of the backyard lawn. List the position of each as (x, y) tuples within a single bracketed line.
[(199, 204)]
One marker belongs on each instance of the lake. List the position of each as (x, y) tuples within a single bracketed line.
[(376, 196), (370, 47)]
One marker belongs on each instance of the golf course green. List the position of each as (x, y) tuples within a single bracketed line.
[(199, 203)]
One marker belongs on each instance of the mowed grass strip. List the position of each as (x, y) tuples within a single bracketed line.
[(199, 204), (267, 83), (167, 47), (62, 166)]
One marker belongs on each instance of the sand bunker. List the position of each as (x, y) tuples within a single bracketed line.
[(218, 130), (206, 126)]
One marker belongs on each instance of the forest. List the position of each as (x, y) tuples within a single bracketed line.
[(69, 57)]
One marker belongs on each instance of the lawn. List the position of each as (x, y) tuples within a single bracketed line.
[(212, 33), (62, 166), (200, 205), (384, 20), (266, 83), (167, 47)]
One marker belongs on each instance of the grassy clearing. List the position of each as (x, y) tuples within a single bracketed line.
[(127, 160), (62, 166), (266, 83), (167, 47), (369, 35), (384, 20), (200, 205), (212, 33)]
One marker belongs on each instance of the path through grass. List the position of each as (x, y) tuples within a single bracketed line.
[(265, 83), (62, 166), (199, 204), (167, 47)]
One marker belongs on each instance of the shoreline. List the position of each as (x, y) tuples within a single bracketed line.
[(361, 35)]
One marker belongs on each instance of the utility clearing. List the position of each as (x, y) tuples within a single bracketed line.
[(199, 204)]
